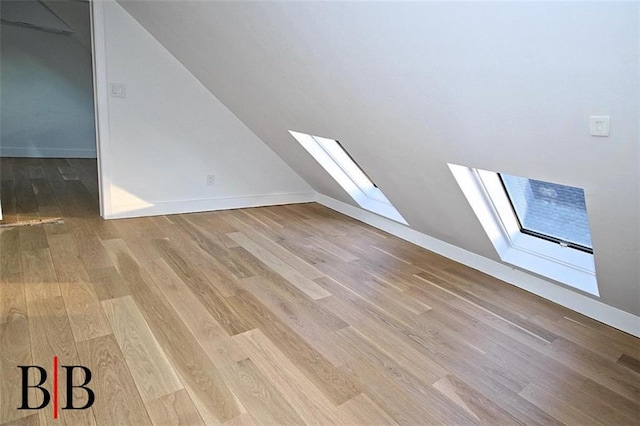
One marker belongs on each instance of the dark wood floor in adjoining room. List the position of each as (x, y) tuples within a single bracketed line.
[(39, 189), (286, 315)]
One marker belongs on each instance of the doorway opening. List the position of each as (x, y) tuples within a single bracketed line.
[(48, 148)]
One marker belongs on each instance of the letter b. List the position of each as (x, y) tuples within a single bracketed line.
[(25, 387), (87, 378)]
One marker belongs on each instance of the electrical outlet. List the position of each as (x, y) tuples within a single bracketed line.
[(211, 179)]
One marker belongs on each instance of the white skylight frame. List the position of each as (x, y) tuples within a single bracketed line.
[(491, 204), (339, 164)]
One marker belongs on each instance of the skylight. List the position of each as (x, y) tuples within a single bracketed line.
[(551, 211), (348, 174), (536, 225)]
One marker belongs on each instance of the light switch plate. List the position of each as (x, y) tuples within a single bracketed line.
[(118, 90), (599, 125)]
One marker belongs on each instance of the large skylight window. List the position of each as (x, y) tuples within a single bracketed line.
[(350, 176), (536, 225)]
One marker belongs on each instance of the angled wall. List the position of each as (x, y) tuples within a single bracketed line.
[(169, 132), (410, 87)]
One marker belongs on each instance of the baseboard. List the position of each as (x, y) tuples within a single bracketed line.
[(35, 152), (592, 308), (192, 206)]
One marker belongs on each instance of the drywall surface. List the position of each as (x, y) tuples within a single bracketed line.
[(410, 87), (170, 132), (46, 105)]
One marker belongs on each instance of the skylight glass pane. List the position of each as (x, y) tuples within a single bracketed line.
[(344, 160), (343, 168), (549, 209)]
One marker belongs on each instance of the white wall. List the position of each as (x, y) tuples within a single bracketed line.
[(169, 133), (46, 101), (409, 87)]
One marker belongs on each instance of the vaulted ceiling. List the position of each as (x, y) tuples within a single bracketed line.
[(409, 87), (68, 17)]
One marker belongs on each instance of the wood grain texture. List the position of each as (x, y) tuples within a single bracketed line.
[(630, 362), (305, 398), (556, 406), (151, 371), (12, 298), (498, 311), (51, 335), (202, 325), (39, 275), (333, 383), (209, 392), (215, 302), (32, 238), (282, 315), (218, 276), (259, 395), (296, 278), (245, 419), (107, 283), (32, 420), (89, 246), (361, 410), (385, 341), (26, 206), (16, 350), (175, 409), (285, 255), (83, 307), (311, 324), (473, 402), (359, 346), (598, 369), (117, 399), (393, 399)]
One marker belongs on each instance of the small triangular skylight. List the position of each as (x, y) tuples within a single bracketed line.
[(348, 174)]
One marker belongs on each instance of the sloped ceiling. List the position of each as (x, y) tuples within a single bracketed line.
[(68, 17), (410, 87), (74, 13), (32, 14)]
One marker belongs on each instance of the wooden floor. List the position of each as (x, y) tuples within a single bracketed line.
[(32, 189), (281, 315)]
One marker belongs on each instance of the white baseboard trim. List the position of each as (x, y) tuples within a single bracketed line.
[(192, 206), (36, 152), (592, 308)]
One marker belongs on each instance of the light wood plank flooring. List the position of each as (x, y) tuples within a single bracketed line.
[(281, 315)]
